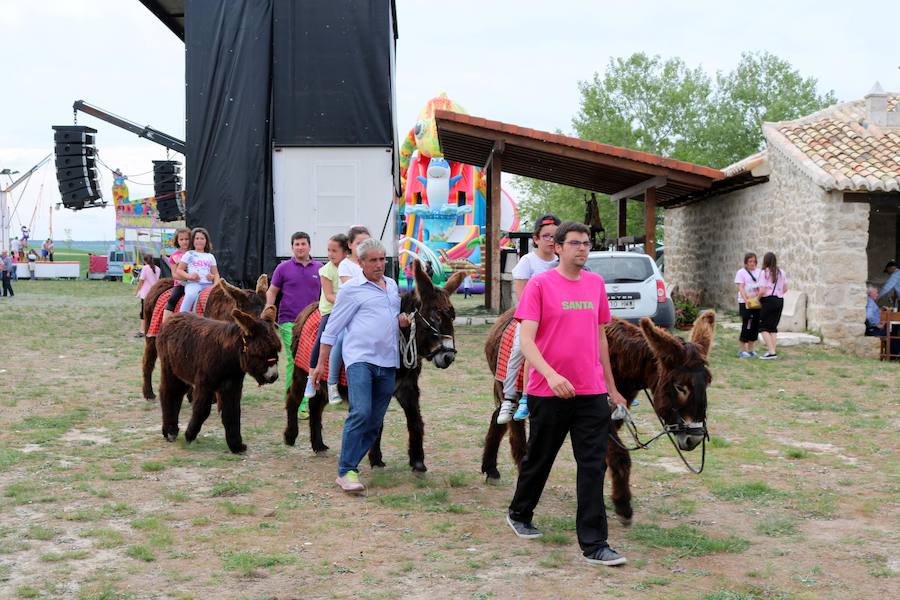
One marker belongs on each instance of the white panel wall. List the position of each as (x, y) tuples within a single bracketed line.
[(324, 191)]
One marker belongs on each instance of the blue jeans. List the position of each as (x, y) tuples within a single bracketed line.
[(336, 361), (371, 388)]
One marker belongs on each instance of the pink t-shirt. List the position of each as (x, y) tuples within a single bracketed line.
[(766, 284), (174, 259), (149, 276), (568, 314), (747, 278)]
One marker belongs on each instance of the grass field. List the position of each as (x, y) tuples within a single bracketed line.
[(799, 499)]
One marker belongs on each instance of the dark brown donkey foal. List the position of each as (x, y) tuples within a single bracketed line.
[(223, 298), (212, 357), (675, 371)]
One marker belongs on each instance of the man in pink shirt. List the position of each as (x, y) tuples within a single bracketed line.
[(562, 312)]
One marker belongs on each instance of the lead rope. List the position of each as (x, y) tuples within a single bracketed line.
[(409, 352)]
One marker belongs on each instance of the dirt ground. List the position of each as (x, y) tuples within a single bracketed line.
[(799, 498)]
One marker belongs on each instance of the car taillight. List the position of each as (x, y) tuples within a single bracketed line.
[(660, 291)]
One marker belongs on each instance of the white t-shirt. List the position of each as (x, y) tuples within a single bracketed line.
[(350, 269), (750, 279), (200, 263), (16, 246), (531, 264)]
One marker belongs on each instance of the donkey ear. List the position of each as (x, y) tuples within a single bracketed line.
[(665, 346), (262, 285), (244, 321), (704, 330), (454, 282), (424, 287), (269, 313), (227, 288)]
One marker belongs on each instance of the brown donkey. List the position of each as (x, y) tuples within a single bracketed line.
[(676, 372), (434, 341), (211, 358), (223, 298)]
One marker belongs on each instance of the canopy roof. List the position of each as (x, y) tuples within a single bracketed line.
[(571, 161)]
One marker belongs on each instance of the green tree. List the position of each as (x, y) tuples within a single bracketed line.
[(664, 107)]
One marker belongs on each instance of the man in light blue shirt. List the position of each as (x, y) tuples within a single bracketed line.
[(892, 284), (368, 309), (874, 326)]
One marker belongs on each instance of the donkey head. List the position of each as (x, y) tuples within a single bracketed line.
[(260, 344), (434, 316), (250, 301), (679, 394)]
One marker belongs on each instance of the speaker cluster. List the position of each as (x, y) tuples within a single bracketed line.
[(167, 189), (76, 170)]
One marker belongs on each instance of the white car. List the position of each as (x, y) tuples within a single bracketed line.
[(634, 286)]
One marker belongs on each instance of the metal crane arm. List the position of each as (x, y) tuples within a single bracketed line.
[(144, 131)]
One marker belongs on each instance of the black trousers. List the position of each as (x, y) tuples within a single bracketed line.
[(7, 284), (586, 418)]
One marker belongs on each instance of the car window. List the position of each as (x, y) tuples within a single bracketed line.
[(620, 269)]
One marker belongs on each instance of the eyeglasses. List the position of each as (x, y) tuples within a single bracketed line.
[(577, 244)]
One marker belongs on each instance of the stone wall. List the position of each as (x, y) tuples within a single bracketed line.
[(820, 242)]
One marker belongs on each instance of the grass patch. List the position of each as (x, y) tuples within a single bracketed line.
[(27, 591), (105, 537), (39, 532), (152, 466), (457, 480), (27, 492), (140, 552), (755, 491), (10, 457), (554, 560), (691, 541), (776, 526), (798, 453), (68, 555), (233, 508), (229, 488), (716, 441), (246, 562)]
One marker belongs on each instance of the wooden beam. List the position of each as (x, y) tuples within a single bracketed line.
[(492, 239), (621, 218), (875, 198), (650, 222), (639, 188), (499, 147)]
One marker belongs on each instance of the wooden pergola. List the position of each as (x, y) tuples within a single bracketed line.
[(622, 173)]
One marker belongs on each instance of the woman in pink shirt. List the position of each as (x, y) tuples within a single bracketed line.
[(149, 275), (772, 288)]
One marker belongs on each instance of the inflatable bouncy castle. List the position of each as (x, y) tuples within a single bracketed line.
[(442, 205)]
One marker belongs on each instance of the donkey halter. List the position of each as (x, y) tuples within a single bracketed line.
[(681, 426), (244, 349), (409, 349)]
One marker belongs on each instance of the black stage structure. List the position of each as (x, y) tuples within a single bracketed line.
[(290, 123)]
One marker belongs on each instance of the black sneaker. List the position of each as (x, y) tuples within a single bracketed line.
[(523, 529), (605, 556)]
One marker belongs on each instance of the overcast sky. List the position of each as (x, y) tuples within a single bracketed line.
[(518, 61)]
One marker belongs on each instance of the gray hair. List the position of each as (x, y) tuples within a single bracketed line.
[(871, 289), (369, 245)]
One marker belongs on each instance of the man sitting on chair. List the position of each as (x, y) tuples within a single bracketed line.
[(874, 326)]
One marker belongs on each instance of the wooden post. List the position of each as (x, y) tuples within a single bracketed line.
[(650, 222), (492, 239), (622, 218)]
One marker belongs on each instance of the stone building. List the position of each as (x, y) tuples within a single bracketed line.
[(824, 195)]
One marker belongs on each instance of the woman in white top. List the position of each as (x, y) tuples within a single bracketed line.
[(747, 282), (347, 270)]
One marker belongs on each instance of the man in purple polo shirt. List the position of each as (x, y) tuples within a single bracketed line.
[(298, 281)]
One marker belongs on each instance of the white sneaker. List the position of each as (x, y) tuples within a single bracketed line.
[(334, 397), (507, 408)]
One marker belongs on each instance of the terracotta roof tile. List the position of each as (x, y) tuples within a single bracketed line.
[(841, 150)]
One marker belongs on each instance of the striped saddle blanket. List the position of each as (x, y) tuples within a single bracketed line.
[(160, 306), (305, 345), (506, 346)]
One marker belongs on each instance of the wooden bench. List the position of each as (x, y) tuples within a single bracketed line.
[(890, 319)]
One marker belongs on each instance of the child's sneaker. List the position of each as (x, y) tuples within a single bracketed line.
[(743, 354), (303, 410), (507, 408), (753, 354), (310, 390), (334, 396), (522, 411)]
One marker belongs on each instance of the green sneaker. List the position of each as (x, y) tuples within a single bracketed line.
[(303, 411), (349, 482)]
